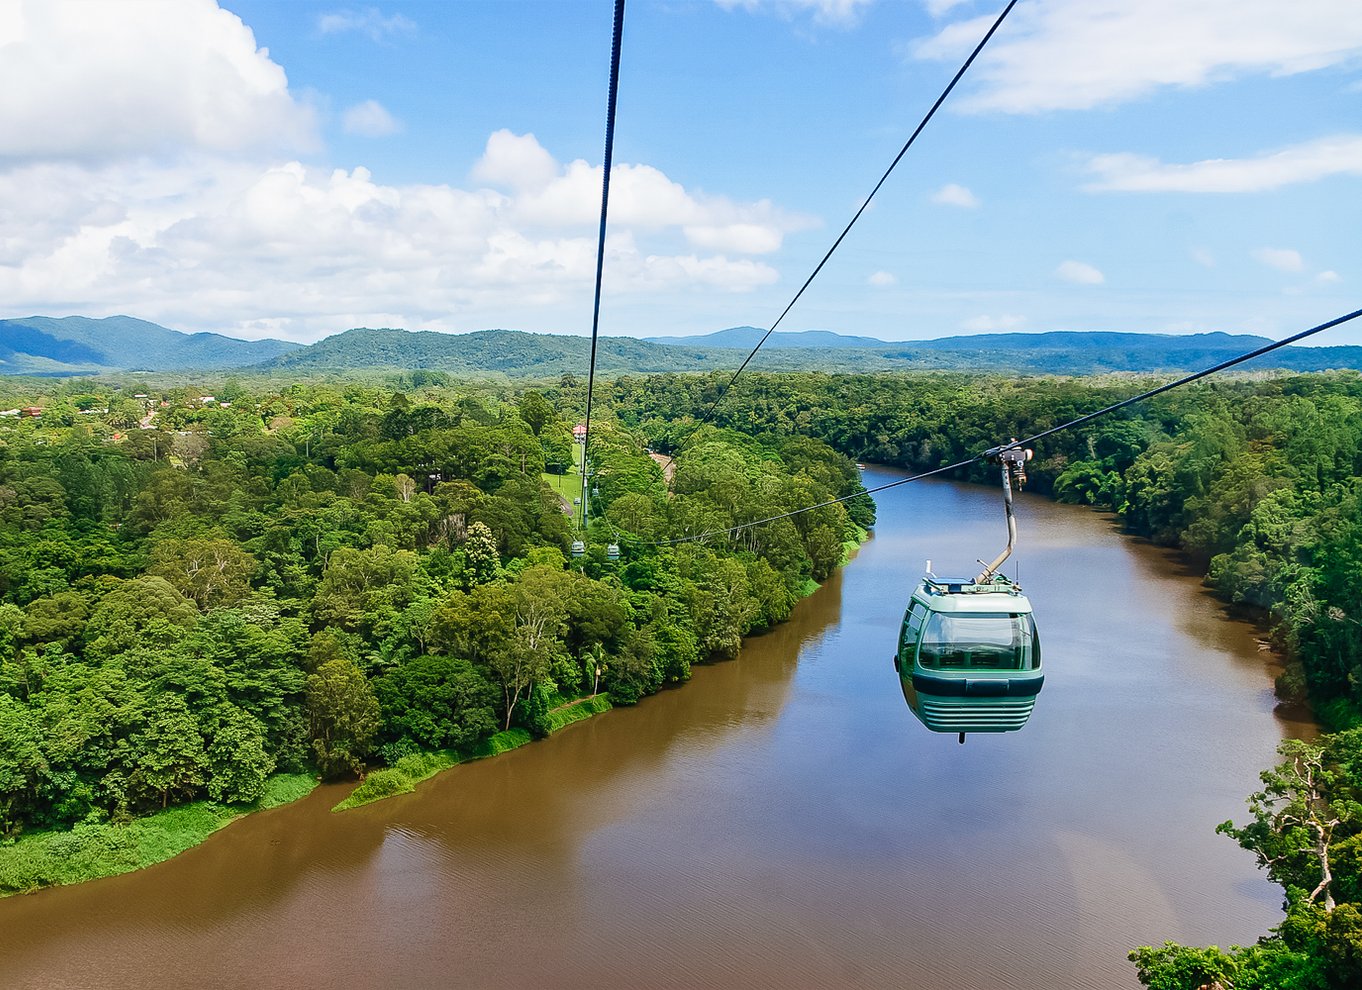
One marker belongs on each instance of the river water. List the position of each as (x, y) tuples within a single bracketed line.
[(781, 821)]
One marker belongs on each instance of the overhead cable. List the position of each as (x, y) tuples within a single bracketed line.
[(993, 452), (709, 413), (600, 245)]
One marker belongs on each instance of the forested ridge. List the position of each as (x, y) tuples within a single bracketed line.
[(325, 580)]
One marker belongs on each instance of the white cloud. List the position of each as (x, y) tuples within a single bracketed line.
[(939, 7), (546, 194), (1328, 277), (369, 22), (955, 195), (1076, 54), (883, 280), (369, 119), (515, 161), (1080, 273), (1308, 162), (1003, 323), (1282, 259), (206, 242), (1203, 257), (837, 13), (95, 80)]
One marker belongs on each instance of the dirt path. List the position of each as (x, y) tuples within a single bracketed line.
[(667, 465)]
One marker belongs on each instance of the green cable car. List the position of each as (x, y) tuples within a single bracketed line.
[(968, 656)]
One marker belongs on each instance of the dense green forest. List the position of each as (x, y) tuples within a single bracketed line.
[(1258, 480), (323, 579), (329, 578)]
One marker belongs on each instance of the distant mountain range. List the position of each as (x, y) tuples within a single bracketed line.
[(42, 345), (76, 345), (747, 338)]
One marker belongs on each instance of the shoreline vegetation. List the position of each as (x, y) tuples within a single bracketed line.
[(202, 588), (414, 768), (96, 849)]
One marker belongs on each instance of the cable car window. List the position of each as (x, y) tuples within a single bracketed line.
[(912, 625), (978, 641)]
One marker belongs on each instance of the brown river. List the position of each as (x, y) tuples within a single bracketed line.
[(781, 821)]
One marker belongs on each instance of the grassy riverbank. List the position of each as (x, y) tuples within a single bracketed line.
[(403, 776), (93, 850)]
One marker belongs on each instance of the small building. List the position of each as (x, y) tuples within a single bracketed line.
[(31, 412), (579, 433)]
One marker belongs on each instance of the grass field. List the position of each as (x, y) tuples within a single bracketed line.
[(569, 485)]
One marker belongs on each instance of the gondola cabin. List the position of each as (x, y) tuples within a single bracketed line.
[(969, 656)]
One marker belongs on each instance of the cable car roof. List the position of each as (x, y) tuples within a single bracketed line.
[(963, 595)]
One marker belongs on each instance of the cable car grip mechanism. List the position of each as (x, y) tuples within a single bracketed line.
[(1013, 460)]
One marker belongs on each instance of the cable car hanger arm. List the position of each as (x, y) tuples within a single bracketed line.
[(1013, 462)]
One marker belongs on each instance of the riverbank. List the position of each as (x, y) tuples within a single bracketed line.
[(403, 776), (93, 850)]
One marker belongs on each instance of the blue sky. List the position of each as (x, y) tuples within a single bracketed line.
[(292, 169)]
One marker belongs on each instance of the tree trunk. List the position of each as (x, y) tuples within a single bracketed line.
[(1326, 873)]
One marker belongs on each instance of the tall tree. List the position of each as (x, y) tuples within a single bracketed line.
[(343, 716), (170, 754)]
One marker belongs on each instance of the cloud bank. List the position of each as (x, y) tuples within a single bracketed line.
[(1079, 54), (149, 164)]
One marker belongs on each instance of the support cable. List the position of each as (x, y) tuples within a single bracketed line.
[(1185, 380), (994, 452), (600, 247), (709, 413)]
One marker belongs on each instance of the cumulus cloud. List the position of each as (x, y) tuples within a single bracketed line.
[(1077, 54), (1080, 273), (837, 13), (883, 280), (369, 119), (1328, 277), (146, 167), (1307, 162), (370, 22), (546, 193), (95, 80), (955, 195), (221, 243), (515, 161), (1282, 259)]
